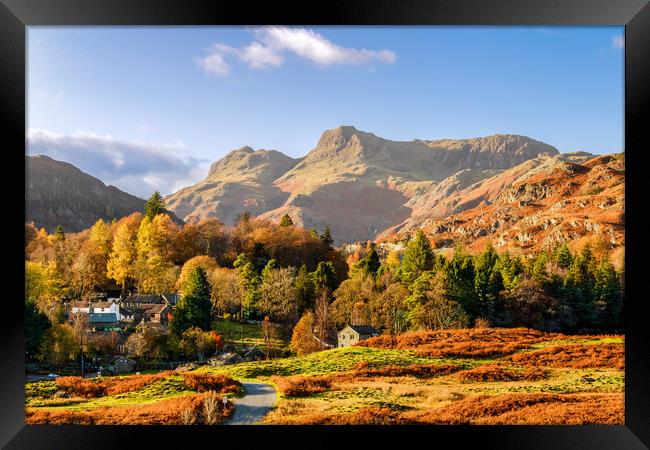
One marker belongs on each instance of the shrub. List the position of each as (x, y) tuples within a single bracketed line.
[(203, 382), (575, 356), (171, 411), (493, 372), (300, 386), (465, 343)]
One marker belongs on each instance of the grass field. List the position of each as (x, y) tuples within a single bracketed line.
[(475, 376)]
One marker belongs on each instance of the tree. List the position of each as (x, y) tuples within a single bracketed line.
[(194, 307), (123, 254), (429, 306), (250, 281), (58, 345), (371, 263), (227, 291), (154, 206), (607, 296), (302, 339), (323, 319), (326, 237), (418, 258), (154, 268), (207, 263), (59, 235), (36, 325), (286, 221), (325, 276), (199, 341), (388, 310), (530, 305), (305, 289), (278, 294), (563, 256)]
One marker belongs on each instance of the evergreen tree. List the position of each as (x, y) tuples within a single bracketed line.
[(194, 307), (607, 296), (154, 206), (418, 258), (59, 235), (487, 282), (305, 289), (286, 221), (326, 237), (325, 276), (250, 281), (563, 256), (371, 263), (270, 266), (36, 325)]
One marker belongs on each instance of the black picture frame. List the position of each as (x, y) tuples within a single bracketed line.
[(16, 15)]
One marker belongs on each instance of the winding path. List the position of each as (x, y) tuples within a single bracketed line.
[(254, 405)]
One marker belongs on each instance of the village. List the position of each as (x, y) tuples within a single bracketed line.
[(117, 319)]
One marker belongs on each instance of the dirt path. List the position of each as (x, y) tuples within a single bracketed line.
[(254, 405)]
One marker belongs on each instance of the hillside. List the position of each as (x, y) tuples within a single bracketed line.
[(534, 206), (57, 193), (355, 182)]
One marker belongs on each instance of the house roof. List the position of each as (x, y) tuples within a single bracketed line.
[(153, 308), (105, 304), (364, 329), (102, 318), (172, 298), (144, 298)]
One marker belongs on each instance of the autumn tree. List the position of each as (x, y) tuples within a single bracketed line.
[(302, 339), (323, 323), (154, 268), (227, 291), (200, 342), (194, 307), (120, 266), (278, 297), (58, 345), (207, 263)]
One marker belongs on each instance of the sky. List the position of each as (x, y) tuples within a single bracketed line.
[(150, 108)]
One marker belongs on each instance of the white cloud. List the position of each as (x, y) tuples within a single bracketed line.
[(618, 41), (272, 43), (136, 167)]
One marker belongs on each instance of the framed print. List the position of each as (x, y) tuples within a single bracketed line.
[(374, 219)]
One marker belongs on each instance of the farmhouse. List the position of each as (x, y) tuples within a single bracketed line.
[(352, 334)]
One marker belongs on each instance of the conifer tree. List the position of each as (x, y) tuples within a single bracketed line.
[(154, 206), (325, 276), (371, 263), (326, 237), (194, 307), (305, 289), (563, 256), (286, 221), (418, 258), (59, 235)]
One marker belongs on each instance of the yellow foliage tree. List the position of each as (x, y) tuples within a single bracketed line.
[(302, 339), (207, 263)]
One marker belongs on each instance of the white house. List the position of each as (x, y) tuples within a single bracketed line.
[(100, 307)]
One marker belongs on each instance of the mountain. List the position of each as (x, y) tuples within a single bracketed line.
[(240, 181), (535, 206), (355, 182), (57, 193)]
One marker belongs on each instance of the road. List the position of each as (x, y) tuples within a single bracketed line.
[(254, 405)]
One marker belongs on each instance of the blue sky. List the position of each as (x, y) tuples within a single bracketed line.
[(150, 108)]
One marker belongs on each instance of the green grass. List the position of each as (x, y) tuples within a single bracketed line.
[(163, 389), (245, 335), (574, 341), (328, 361)]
